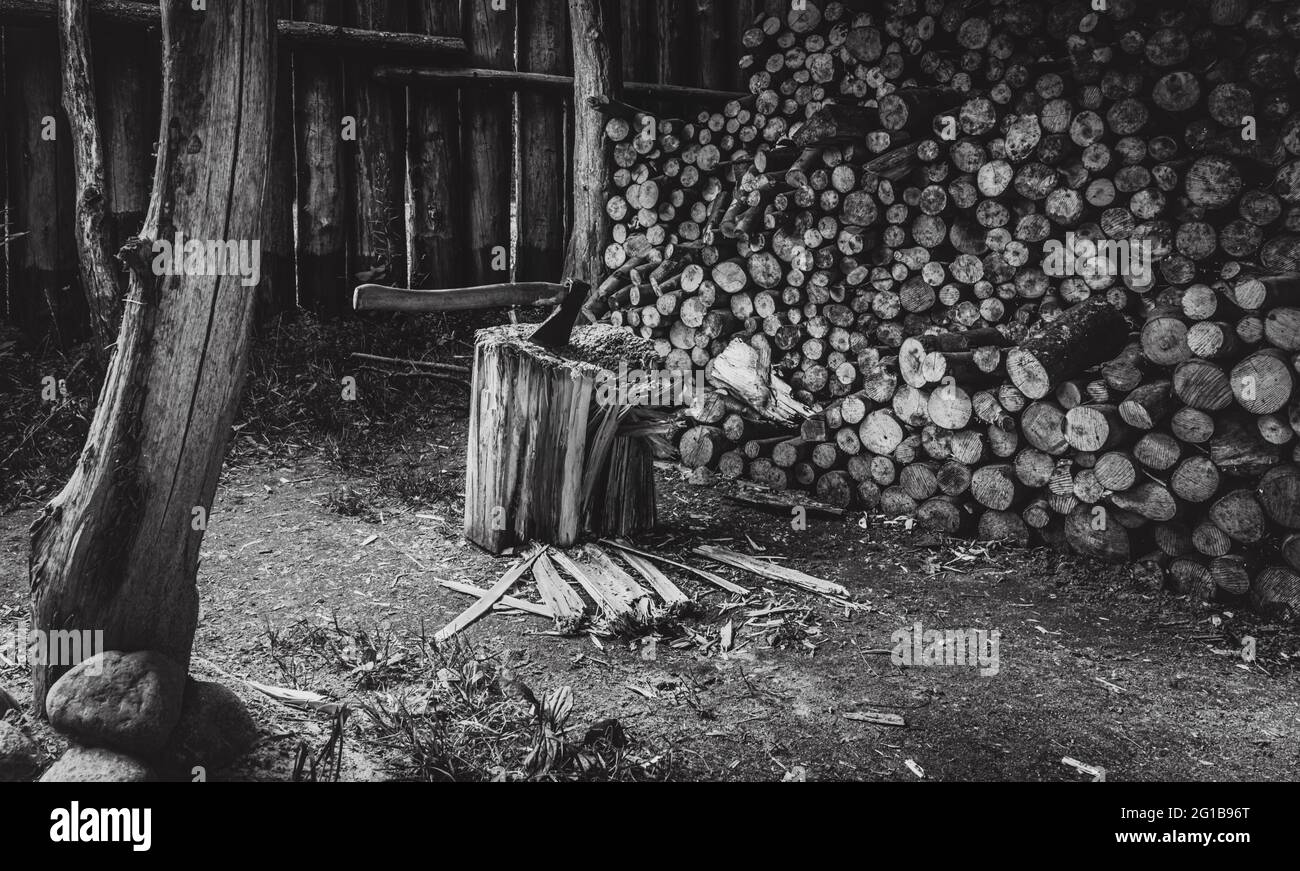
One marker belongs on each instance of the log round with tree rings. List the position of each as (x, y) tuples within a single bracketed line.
[(1263, 382), (1239, 515), (1279, 494)]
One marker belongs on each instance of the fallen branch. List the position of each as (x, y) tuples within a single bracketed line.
[(434, 376), (783, 504), (427, 364)]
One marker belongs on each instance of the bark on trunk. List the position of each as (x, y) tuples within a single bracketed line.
[(117, 550)]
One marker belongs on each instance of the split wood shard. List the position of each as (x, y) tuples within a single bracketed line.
[(490, 598), (781, 574)]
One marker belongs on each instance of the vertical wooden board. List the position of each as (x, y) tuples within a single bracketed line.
[(489, 32), (129, 93), (637, 38), (278, 290), (378, 192), (543, 48), (45, 294), (673, 41), (437, 240), (714, 45), (323, 282)]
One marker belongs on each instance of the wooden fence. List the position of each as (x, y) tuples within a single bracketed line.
[(374, 176)]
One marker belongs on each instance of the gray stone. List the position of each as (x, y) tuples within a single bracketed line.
[(20, 758), (96, 765), (127, 701), (7, 702), (215, 728)]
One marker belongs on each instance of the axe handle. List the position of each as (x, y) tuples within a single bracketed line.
[(377, 297)]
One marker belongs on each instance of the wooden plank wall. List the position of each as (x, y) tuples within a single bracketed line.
[(368, 181), (436, 232)]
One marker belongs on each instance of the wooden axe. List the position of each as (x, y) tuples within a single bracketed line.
[(552, 333), (377, 297)]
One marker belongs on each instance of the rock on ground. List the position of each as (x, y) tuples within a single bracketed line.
[(7, 702), (20, 758), (96, 765), (127, 701), (214, 730)]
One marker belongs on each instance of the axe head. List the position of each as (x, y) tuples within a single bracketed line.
[(554, 332)]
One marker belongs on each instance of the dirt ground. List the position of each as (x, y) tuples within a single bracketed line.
[(320, 571)]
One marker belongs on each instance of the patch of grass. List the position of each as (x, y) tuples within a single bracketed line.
[(47, 397), (449, 712), (477, 721)]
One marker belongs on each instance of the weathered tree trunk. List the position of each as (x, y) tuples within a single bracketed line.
[(99, 277), (117, 550), (594, 25)]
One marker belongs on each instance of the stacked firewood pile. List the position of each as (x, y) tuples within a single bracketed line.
[(1019, 269)]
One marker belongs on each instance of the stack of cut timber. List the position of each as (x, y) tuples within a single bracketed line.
[(1033, 265)]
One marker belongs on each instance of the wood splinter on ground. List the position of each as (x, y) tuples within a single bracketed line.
[(490, 598), (624, 603), (780, 574), (716, 580), (674, 599), (565, 604)]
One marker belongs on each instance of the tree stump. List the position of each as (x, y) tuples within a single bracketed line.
[(546, 460)]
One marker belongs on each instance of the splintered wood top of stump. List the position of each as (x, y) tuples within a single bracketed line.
[(598, 346)]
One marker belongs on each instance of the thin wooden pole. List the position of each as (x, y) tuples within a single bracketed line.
[(596, 76), (99, 276), (486, 79), (313, 35)]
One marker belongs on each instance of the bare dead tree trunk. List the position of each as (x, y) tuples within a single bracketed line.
[(117, 549), (99, 278), (596, 76)]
